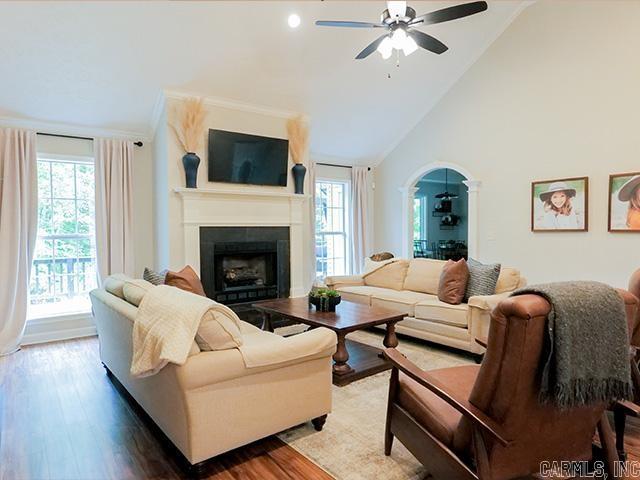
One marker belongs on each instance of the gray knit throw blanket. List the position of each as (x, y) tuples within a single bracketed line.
[(586, 358)]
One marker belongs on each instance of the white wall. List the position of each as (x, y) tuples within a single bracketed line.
[(557, 95), (142, 192)]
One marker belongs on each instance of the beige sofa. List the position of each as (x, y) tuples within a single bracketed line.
[(411, 287), (213, 403)]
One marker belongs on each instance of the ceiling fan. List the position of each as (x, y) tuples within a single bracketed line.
[(401, 21)]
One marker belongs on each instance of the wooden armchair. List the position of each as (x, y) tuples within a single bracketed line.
[(623, 409), (485, 422)]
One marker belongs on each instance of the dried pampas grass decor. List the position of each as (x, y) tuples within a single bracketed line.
[(190, 124), (298, 138)]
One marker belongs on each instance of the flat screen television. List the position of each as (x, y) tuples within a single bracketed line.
[(249, 159)]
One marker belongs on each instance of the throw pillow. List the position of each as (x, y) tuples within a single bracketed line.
[(186, 279), (453, 282), (482, 279), (151, 276)]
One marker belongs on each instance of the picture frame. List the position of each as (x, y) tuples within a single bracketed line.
[(560, 205), (624, 203)]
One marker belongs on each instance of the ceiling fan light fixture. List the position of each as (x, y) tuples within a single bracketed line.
[(397, 9), (409, 46), (399, 38), (386, 48)]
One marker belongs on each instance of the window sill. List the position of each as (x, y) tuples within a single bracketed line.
[(59, 327), (61, 316)]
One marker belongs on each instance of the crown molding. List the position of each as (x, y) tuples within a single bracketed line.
[(498, 33), (234, 104), (69, 129)]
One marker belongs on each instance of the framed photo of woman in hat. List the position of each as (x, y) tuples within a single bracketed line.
[(560, 205), (624, 202)]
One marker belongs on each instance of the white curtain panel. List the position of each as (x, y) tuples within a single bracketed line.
[(311, 174), (359, 217), (18, 227), (114, 206)]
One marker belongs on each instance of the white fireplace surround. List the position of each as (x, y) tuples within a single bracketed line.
[(220, 207)]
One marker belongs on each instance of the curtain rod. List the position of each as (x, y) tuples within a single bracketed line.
[(138, 144), (339, 166)]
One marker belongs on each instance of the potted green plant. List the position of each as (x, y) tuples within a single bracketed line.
[(324, 299)]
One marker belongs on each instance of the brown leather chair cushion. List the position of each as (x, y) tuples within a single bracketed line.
[(453, 282), (434, 414), (186, 279)]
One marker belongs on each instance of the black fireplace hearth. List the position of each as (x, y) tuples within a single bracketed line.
[(244, 264)]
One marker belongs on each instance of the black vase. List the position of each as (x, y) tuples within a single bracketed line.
[(299, 171), (325, 304), (190, 161)]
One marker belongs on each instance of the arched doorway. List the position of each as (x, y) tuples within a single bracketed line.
[(426, 222)]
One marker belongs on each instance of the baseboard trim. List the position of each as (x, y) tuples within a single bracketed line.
[(54, 329)]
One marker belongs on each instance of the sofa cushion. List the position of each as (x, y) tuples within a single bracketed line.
[(114, 284), (508, 280), (218, 331), (390, 275), (433, 413), (186, 279), (135, 289), (437, 311), (423, 275), (453, 282), (482, 278), (399, 301), (359, 293)]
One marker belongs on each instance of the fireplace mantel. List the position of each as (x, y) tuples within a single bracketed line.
[(250, 206), (210, 192)]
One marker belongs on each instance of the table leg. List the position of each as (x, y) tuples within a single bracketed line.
[(390, 339), (266, 322), (341, 367)]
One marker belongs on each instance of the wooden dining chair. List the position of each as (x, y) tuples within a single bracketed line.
[(486, 422)]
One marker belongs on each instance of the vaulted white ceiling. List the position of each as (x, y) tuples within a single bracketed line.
[(103, 64)]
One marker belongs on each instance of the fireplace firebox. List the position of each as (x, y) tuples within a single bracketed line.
[(244, 264)]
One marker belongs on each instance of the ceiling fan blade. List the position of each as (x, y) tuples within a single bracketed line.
[(450, 13), (428, 42), (337, 23), (369, 49)]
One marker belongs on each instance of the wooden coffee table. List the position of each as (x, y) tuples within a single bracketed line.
[(353, 360)]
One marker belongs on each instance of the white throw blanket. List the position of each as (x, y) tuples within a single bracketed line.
[(165, 326)]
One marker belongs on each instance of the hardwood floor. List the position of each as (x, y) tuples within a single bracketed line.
[(62, 418)]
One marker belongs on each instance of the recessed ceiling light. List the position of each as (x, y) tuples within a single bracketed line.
[(294, 20)]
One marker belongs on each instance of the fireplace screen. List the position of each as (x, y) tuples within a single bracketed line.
[(247, 271)]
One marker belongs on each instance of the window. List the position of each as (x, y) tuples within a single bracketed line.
[(64, 263), (332, 225), (420, 218)]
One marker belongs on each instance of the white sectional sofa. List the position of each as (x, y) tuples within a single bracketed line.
[(411, 287)]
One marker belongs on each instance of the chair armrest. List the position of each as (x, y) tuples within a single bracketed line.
[(628, 407), (343, 280), (475, 415)]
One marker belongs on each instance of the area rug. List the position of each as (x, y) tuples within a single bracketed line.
[(350, 447)]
